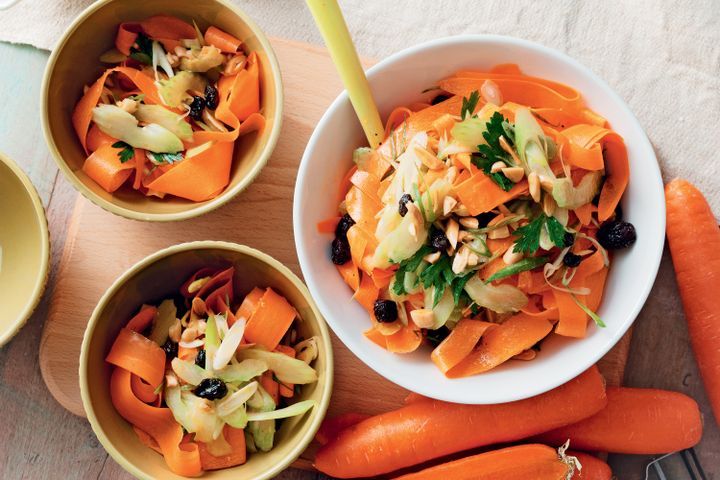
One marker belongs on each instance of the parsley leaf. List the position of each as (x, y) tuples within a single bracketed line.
[(469, 104), (408, 265), (522, 266), (169, 158), (493, 152), (143, 52), (459, 286), (529, 235), (556, 231), (127, 152)]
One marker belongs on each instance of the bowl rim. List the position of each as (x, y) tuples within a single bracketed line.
[(147, 262), (198, 209), (42, 277), (314, 283)]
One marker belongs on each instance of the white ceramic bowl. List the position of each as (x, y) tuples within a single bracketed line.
[(399, 80)]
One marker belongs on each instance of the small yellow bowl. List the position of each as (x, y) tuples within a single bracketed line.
[(75, 63), (159, 276), (24, 249)]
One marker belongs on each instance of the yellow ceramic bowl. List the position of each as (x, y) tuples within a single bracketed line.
[(75, 63), (158, 276), (24, 249)]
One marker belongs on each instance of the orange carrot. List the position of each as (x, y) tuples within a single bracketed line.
[(96, 138), (270, 321), (250, 303), (350, 274), (520, 462), (429, 429), (139, 355), (635, 421), (332, 426), (143, 319), (499, 344), (405, 340), (222, 40), (592, 467), (287, 390), (367, 293), (694, 240), (159, 423), (236, 438), (459, 343), (105, 168)]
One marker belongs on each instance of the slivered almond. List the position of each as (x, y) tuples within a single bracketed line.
[(473, 259), (189, 335), (534, 186), (461, 210), (432, 257), (448, 205), (511, 257), (526, 355), (174, 331), (497, 166), (451, 232), (548, 205), (428, 159), (469, 222), (451, 174), (423, 318), (462, 235), (198, 306), (508, 149), (198, 284), (498, 233), (460, 260), (514, 174)]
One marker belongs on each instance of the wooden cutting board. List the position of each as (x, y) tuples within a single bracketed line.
[(100, 246)]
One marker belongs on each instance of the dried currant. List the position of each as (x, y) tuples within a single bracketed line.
[(572, 260), (200, 359), (616, 234), (438, 241), (196, 108), (402, 205), (171, 349), (211, 97), (385, 311), (211, 389), (340, 251), (343, 226)]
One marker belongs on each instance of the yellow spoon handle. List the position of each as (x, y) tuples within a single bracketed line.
[(333, 29)]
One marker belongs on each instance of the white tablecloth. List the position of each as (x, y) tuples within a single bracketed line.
[(662, 56)]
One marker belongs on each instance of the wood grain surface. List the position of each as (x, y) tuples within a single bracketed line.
[(40, 439)]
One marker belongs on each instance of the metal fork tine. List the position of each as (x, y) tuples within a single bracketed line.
[(695, 462), (659, 471), (684, 455)]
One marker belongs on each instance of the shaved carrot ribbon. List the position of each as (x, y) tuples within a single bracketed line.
[(270, 321), (139, 355), (222, 40), (159, 423)]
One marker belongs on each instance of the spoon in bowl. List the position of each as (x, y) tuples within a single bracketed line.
[(332, 26)]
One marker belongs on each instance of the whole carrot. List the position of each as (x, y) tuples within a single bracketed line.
[(694, 239), (635, 421), (592, 467), (427, 429), (520, 462)]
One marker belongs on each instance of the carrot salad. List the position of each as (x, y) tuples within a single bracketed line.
[(484, 221), (204, 376), (165, 117)]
